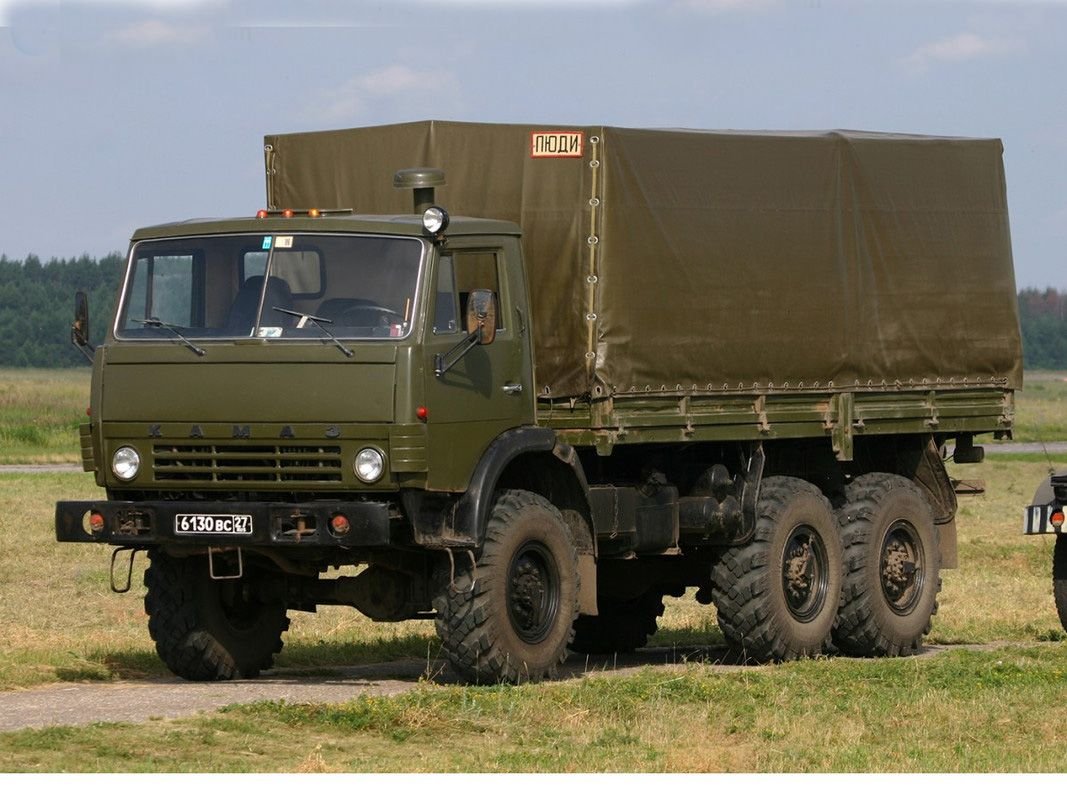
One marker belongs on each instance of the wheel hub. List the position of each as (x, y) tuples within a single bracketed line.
[(900, 567), (804, 575), (532, 592)]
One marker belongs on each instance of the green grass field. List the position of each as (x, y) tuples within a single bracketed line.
[(1041, 408), (40, 411), (1000, 708)]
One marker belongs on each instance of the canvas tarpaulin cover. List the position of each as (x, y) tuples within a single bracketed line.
[(701, 261)]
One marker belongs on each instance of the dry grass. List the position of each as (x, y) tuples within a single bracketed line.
[(1041, 408), (61, 620), (40, 410), (1001, 710)]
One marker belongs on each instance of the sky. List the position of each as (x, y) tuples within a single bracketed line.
[(115, 115)]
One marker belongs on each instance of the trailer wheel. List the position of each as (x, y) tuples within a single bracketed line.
[(778, 595), (511, 616), (207, 629), (893, 567), (1059, 577), (622, 626)]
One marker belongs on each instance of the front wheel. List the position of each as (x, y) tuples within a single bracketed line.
[(510, 616), (206, 629), (777, 596)]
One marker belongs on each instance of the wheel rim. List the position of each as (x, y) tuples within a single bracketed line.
[(805, 578), (532, 592), (901, 567)]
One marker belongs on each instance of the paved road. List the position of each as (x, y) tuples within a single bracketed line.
[(172, 698), (40, 467)]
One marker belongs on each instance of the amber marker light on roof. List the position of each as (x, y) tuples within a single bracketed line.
[(261, 214), (314, 212), (287, 213)]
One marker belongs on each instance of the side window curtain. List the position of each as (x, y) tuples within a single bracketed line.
[(446, 312)]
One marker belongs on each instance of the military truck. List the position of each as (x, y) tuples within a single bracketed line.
[(529, 380), (1045, 514)]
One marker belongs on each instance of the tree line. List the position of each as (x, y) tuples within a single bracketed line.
[(37, 308)]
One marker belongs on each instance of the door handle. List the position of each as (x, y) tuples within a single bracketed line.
[(512, 388)]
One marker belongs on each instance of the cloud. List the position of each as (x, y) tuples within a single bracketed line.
[(531, 3), (7, 6), (155, 33), (397, 87), (962, 47), (727, 6)]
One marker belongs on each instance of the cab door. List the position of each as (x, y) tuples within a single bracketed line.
[(488, 390)]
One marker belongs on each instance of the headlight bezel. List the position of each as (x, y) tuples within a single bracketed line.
[(130, 458), (435, 221), (370, 457)]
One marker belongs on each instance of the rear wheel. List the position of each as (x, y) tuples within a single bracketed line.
[(893, 567), (207, 629), (511, 616), (778, 595), (1059, 577)]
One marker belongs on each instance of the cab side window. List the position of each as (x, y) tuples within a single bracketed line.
[(460, 273)]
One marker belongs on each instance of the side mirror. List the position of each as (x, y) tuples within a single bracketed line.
[(481, 315), (79, 331), (481, 329)]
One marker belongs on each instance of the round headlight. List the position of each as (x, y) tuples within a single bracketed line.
[(369, 465), (126, 463), (434, 220)]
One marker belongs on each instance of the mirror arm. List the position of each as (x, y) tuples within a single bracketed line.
[(84, 347), (442, 363)]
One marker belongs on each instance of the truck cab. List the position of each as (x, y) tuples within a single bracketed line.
[(299, 390)]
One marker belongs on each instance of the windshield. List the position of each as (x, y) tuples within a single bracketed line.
[(356, 287)]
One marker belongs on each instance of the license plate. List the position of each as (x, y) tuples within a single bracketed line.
[(236, 524)]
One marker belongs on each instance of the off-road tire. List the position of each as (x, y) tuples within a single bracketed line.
[(1059, 577), (205, 629), (622, 626), (511, 617), (778, 595), (892, 567)]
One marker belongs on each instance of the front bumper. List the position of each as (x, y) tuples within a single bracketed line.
[(149, 523)]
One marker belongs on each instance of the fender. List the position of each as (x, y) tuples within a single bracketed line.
[(471, 513)]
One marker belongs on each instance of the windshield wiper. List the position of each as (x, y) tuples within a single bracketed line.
[(153, 322), (306, 318)]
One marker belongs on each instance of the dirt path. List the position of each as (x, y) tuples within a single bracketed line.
[(171, 698)]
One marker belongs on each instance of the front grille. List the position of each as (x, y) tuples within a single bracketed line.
[(244, 463)]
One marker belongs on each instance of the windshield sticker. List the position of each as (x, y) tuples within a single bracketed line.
[(269, 333), (284, 242), (266, 242)]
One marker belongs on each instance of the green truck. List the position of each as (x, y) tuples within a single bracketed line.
[(530, 380)]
